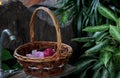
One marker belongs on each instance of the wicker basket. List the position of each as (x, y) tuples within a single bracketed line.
[(48, 66)]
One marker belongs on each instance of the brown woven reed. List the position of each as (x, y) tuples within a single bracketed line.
[(48, 66)]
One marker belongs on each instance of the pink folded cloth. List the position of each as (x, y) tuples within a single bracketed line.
[(41, 54), (49, 52)]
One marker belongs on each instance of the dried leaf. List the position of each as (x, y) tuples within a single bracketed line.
[(29, 3)]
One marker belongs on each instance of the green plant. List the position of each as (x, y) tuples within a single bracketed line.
[(102, 55), (8, 61), (82, 13)]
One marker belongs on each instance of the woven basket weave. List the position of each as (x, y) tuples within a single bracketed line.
[(48, 66)]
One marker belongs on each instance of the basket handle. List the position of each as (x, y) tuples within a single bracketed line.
[(56, 24)]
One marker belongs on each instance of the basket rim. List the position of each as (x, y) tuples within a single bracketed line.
[(28, 59)]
